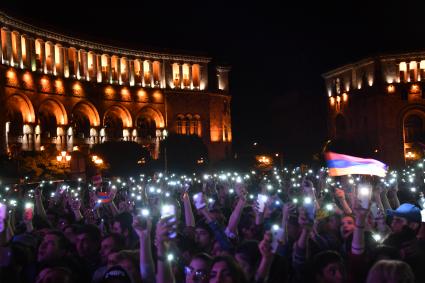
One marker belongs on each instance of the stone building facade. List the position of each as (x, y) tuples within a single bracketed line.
[(377, 105), (68, 91)]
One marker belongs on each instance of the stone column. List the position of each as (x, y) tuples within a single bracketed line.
[(65, 62), (181, 76), (37, 137), (142, 71), (18, 50), (190, 77), (69, 138), (130, 67), (99, 68), (7, 54)]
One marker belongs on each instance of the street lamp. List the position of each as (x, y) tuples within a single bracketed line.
[(63, 158)]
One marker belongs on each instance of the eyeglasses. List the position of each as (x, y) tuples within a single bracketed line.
[(197, 274)]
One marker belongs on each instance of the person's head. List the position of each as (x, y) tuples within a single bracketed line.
[(225, 270), (198, 270), (333, 223), (405, 215), (116, 274), (55, 274), (64, 220), (123, 224), (203, 236), (247, 228), (347, 226), (88, 241), (53, 246), (390, 271), (328, 267), (384, 252), (70, 232), (247, 256), (128, 260), (111, 243)]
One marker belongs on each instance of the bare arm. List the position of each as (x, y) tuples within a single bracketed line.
[(340, 195), (188, 213), (234, 219), (266, 258), (164, 273), (147, 270), (358, 244), (39, 207)]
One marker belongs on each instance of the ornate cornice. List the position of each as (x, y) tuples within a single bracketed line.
[(68, 41)]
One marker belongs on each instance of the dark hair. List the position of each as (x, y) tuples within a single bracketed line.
[(205, 226), (63, 242), (322, 259), (235, 270), (126, 221), (250, 251), (119, 241), (384, 250), (92, 231), (204, 257)]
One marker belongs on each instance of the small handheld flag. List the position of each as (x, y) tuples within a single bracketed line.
[(340, 164)]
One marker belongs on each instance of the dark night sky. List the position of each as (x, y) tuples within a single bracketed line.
[(277, 51)]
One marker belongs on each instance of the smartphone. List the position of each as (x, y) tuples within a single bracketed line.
[(170, 210), (364, 195), (28, 211), (310, 208), (423, 215), (199, 200), (261, 202), (277, 233), (143, 214)]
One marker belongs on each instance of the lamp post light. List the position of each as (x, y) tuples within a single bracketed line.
[(63, 158), (164, 135)]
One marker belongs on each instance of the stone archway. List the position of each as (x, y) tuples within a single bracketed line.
[(19, 121), (83, 123), (115, 121), (52, 118)]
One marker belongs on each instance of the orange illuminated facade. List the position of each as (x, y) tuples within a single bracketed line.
[(377, 106), (71, 92)]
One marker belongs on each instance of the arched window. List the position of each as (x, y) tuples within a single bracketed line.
[(413, 129), (196, 125), (187, 124), (180, 119)]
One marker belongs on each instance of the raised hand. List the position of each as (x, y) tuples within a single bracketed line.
[(265, 246), (142, 226)]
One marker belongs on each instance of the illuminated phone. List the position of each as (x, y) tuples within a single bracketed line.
[(261, 202), (277, 233), (168, 210), (199, 200), (423, 215), (364, 195), (28, 211), (143, 214), (310, 209)]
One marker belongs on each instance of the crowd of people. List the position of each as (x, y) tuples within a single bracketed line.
[(287, 225)]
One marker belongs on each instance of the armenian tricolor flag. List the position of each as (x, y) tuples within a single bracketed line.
[(340, 164), (103, 197)]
